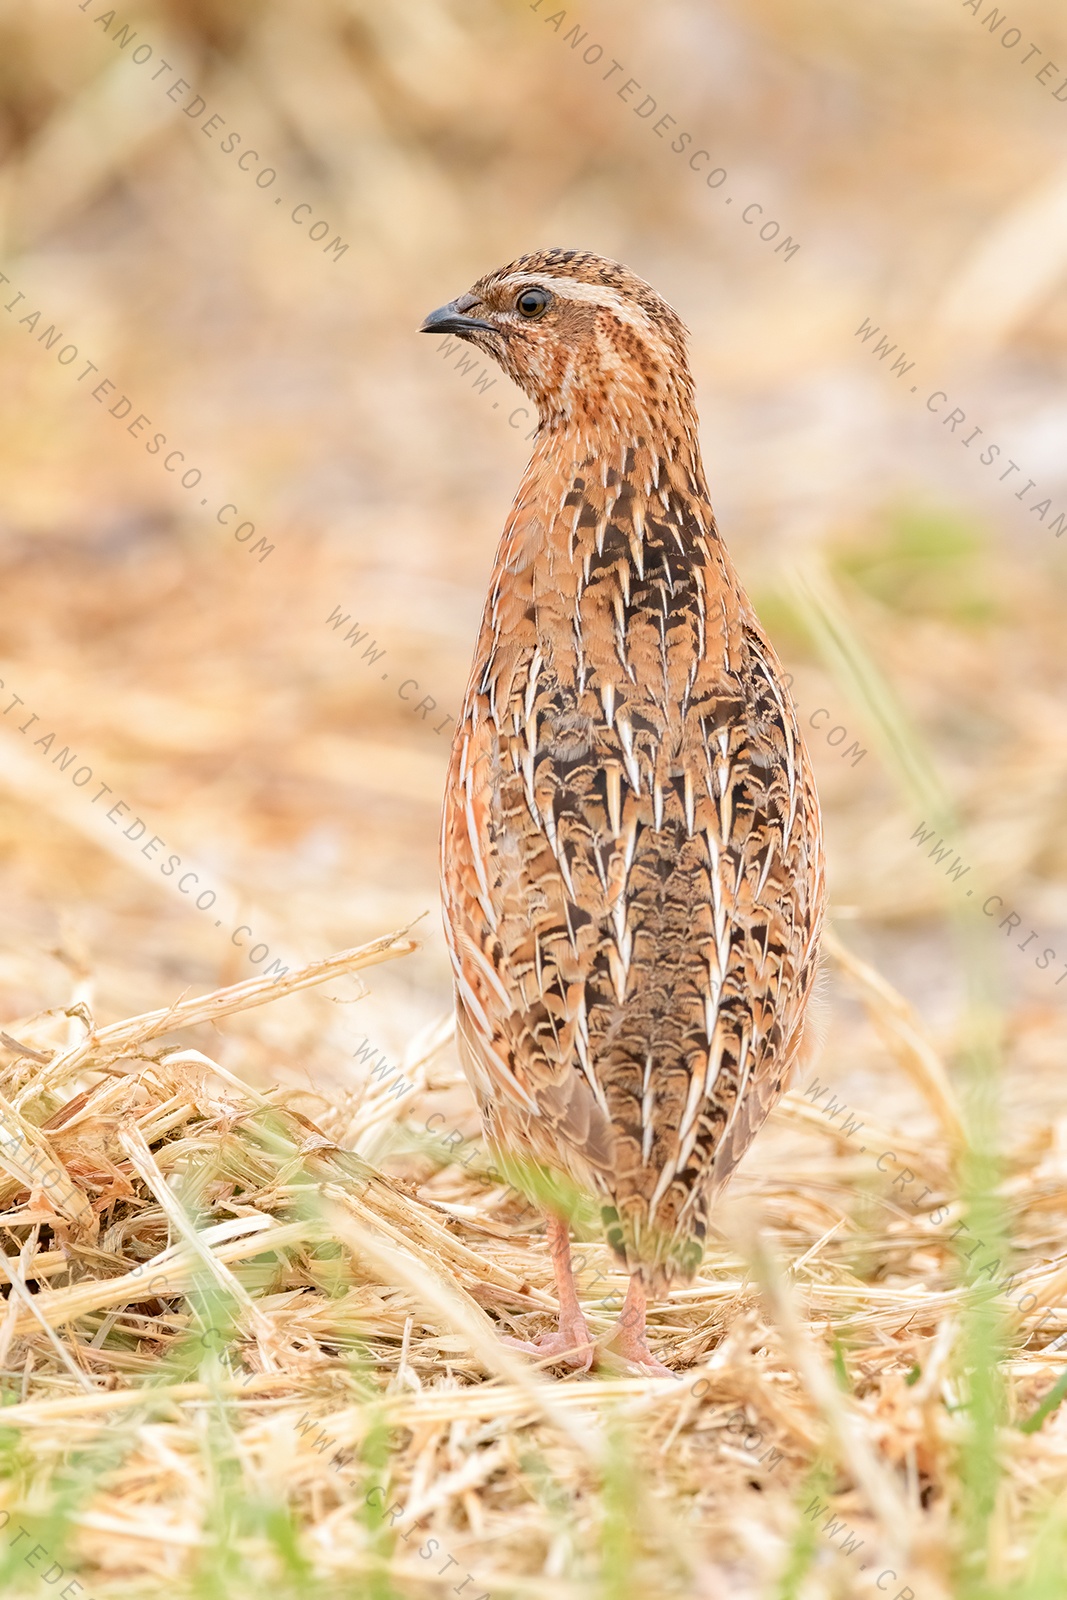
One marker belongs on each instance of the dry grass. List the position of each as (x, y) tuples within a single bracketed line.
[(231, 1340), (251, 1293)]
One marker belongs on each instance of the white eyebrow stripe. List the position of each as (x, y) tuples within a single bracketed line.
[(574, 289)]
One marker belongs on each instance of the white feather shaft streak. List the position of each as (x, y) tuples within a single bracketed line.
[(613, 777)]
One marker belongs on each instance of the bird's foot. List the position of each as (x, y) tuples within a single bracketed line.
[(628, 1338), (635, 1353), (629, 1344), (571, 1345)]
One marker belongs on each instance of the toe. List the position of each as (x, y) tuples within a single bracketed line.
[(637, 1357), (570, 1347), (527, 1346), (649, 1367)]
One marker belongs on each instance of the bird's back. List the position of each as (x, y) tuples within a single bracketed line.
[(631, 848)]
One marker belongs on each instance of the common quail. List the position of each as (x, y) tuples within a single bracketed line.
[(632, 861)]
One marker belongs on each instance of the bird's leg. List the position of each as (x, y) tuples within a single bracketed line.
[(572, 1343), (628, 1338)]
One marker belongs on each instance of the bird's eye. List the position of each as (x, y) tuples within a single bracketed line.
[(533, 302)]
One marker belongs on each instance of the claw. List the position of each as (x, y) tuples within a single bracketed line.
[(635, 1353), (628, 1338), (571, 1347)]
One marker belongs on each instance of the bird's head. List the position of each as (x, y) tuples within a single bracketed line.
[(589, 341)]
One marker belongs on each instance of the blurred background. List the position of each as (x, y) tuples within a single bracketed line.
[(258, 305)]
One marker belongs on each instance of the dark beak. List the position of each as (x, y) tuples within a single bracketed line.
[(453, 318)]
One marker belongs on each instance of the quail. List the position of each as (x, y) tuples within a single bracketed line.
[(632, 865)]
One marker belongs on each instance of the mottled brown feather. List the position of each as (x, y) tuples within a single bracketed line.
[(631, 851)]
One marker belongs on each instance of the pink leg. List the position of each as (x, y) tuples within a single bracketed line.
[(572, 1343), (628, 1336)]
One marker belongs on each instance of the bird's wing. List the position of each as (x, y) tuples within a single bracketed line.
[(633, 883)]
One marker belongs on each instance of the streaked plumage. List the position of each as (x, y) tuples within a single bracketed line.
[(631, 854)]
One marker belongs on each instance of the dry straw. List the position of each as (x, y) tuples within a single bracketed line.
[(238, 1320), (210, 1297)]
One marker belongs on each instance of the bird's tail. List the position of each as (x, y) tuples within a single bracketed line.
[(659, 1256)]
